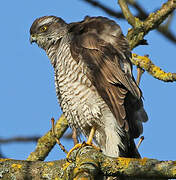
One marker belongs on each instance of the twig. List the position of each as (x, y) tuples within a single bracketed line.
[(19, 139), (126, 12), (47, 142), (142, 14), (140, 141), (140, 71), (57, 140)]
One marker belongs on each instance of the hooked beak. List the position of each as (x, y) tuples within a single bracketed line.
[(33, 38)]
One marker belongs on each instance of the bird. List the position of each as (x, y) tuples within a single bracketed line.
[(93, 79)]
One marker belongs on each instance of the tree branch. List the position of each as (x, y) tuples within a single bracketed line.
[(88, 163), (145, 63), (47, 142), (126, 12), (19, 139), (141, 28), (155, 19)]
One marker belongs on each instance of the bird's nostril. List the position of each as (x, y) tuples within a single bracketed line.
[(32, 38)]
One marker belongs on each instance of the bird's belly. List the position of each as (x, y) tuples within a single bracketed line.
[(81, 105)]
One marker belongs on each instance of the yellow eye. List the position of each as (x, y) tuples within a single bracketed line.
[(43, 28)]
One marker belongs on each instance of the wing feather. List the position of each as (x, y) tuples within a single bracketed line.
[(100, 44)]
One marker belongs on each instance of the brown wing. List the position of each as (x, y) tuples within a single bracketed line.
[(100, 44)]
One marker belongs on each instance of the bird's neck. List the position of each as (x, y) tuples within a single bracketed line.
[(52, 50)]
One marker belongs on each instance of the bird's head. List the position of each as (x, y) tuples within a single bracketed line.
[(47, 30)]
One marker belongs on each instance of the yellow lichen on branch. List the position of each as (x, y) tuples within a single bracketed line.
[(145, 63), (16, 166), (124, 162)]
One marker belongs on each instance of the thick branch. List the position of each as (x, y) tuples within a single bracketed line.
[(47, 142), (87, 163), (18, 169)]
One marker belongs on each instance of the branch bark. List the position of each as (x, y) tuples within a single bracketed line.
[(87, 163)]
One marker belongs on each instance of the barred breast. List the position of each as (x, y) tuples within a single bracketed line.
[(78, 98)]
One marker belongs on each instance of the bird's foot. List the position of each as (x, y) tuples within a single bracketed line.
[(79, 146), (74, 148)]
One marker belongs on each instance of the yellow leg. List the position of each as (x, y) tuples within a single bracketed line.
[(91, 136), (74, 136)]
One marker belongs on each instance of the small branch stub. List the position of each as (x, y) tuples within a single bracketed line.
[(57, 140)]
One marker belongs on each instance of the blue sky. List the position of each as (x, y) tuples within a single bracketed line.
[(27, 92)]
